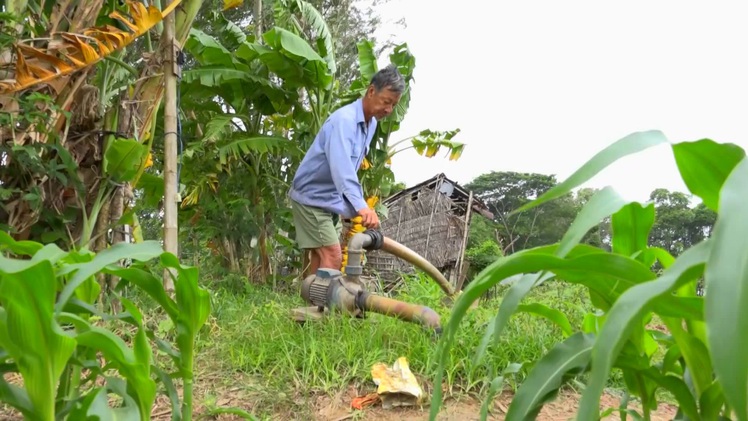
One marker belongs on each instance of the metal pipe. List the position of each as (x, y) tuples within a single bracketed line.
[(396, 249), (330, 288), (402, 310), (356, 246)]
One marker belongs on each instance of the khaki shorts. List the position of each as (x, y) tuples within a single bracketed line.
[(315, 227)]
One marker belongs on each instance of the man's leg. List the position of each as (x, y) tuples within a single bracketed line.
[(331, 256), (317, 231)]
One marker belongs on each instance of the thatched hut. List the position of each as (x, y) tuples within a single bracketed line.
[(431, 218)]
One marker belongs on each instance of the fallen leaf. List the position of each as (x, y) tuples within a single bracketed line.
[(361, 402)]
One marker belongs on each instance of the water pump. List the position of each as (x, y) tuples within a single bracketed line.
[(331, 290)]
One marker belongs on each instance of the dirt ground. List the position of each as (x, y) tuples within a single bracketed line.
[(467, 409), (238, 393), (338, 408), (234, 393)]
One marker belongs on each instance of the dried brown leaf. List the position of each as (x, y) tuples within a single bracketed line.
[(52, 60), (73, 52)]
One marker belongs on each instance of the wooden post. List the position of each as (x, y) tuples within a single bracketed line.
[(171, 69), (463, 247), (257, 12), (437, 186)]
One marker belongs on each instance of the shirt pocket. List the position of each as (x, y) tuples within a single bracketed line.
[(356, 150)]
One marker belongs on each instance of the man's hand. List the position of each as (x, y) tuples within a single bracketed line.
[(369, 218)]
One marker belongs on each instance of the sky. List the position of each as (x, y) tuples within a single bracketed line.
[(542, 86)]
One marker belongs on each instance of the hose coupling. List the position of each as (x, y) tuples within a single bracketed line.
[(377, 240)]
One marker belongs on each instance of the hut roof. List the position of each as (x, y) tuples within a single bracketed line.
[(450, 188)]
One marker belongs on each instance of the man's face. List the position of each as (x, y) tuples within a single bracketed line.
[(382, 103)]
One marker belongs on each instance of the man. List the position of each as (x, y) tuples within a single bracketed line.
[(326, 185)]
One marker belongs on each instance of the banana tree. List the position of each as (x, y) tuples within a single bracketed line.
[(51, 126), (246, 101)]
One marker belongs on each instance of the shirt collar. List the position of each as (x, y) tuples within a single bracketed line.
[(360, 111)]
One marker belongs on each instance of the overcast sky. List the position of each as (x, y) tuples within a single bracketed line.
[(541, 86)]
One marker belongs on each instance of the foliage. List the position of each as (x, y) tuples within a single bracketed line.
[(257, 105), (73, 65), (483, 246), (482, 255), (20, 189), (246, 100), (377, 178), (679, 226), (348, 22), (53, 335), (503, 192), (699, 358)]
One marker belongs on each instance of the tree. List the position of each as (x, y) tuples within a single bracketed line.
[(504, 192), (678, 226), (348, 21)]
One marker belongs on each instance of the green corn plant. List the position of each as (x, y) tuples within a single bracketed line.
[(700, 360), (66, 350)]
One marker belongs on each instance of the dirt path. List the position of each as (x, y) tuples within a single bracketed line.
[(467, 409)]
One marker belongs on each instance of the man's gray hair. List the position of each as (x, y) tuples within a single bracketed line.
[(390, 78)]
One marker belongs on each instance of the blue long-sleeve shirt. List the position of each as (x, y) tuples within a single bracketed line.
[(327, 176)]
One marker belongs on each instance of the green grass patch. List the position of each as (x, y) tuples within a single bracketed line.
[(254, 335)]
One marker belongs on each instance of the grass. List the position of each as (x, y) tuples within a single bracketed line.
[(287, 364)]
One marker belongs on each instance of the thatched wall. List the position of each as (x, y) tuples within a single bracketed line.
[(427, 226)]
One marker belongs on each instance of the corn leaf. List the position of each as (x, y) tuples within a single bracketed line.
[(571, 356), (30, 334), (192, 301), (129, 364), (704, 165), (148, 283), (144, 251), (14, 395), (630, 228), (23, 248), (602, 204), (727, 291), (96, 406), (619, 323), (553, 315), (631, 144)]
